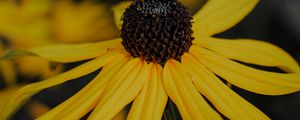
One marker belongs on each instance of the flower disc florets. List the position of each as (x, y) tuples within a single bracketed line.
[(157, 30)]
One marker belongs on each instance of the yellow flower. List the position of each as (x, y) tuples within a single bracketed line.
[(83, 22), (193, 5), (25, 25), (153, 66)]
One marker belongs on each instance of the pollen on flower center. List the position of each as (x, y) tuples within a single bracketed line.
[(157, 30)]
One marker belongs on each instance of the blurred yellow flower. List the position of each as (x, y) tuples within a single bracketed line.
[(157, 57), (26, 24), (30, 23), (7, 69), (84, 22)]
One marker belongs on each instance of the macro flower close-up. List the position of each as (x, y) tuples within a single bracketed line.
[(166, 54)]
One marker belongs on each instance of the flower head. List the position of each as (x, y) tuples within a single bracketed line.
[(157, 31), (136, 69)]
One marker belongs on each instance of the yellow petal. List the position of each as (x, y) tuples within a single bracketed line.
[(180, 89), (221, 96), (8, 72), (219, 15), (76, 52), (83, 22), (151, 101), (85, 100), (118, 10), (88, 90), (122, 89), (26, 92), (6, 94), (251, 51), (251, 79)]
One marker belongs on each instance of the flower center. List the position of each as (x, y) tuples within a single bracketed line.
[(157, 30)]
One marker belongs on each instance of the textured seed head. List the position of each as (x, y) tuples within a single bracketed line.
[(157, 30)]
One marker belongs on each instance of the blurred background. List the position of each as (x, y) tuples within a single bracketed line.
[(31, 23)]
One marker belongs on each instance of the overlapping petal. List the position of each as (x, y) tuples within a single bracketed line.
[(151, 101), (121, 89), (219, 15), (180, 89), (251, 79), (26, 92), (6, 94), (221, 96), (251, 51)]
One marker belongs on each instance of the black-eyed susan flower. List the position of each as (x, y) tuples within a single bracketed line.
[(162, 54)]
